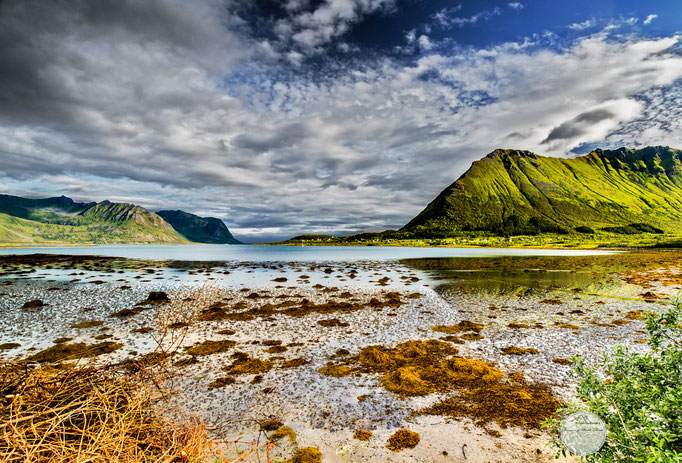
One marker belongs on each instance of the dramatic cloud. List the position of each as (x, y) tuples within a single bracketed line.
[(332, 18), (595, 124), (172, 104)]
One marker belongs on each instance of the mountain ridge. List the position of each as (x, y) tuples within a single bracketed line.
[(63, 220), (511, 192)]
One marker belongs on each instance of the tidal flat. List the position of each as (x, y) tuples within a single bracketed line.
[(341, 355)]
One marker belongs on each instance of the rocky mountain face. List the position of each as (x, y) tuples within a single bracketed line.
[(199, 229)]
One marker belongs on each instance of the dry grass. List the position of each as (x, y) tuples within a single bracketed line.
[(90, 414), (89, 411)]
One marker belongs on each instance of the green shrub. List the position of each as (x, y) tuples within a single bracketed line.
[(639, 396)]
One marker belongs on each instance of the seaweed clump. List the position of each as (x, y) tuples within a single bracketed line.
[(222, 382), (362, 435), (211, 347), (243, 365), (485, 393), (307, 455), (335, 370), (295, 362), (403, 439), (463, 326), (513, 350), (506, 403), (73, 351)]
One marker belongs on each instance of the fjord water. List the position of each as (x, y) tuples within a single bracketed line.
[(255, 253)]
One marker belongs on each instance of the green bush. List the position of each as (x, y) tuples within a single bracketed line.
[(639, 396)]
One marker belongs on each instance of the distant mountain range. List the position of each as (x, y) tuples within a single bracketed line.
[(61, 220), (510, 192)]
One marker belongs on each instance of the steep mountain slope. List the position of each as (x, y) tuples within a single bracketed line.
[(49, 210), (199, 229), (135, 223), (518, 192)]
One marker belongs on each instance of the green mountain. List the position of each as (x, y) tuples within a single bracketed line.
[(61, 220), (510, 192), (59, 210), (199, 229)]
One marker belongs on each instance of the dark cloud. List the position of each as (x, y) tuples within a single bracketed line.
[(579, 125), (283, 137)]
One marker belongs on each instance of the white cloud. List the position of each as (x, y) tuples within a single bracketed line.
[(650, 18), (516, 5), (425, 43), (443, 14), (310, 30), (582, 25), (474, 19)]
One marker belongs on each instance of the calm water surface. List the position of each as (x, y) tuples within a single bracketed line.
[(250, 253)]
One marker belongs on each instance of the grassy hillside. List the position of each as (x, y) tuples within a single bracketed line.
[(18, 231), (520, 193)]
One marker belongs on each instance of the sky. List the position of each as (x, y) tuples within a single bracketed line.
[(319, 116)]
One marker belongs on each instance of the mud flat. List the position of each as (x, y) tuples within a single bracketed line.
[(330, 349)]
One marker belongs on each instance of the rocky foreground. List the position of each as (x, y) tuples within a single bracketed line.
[(336, 357)]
